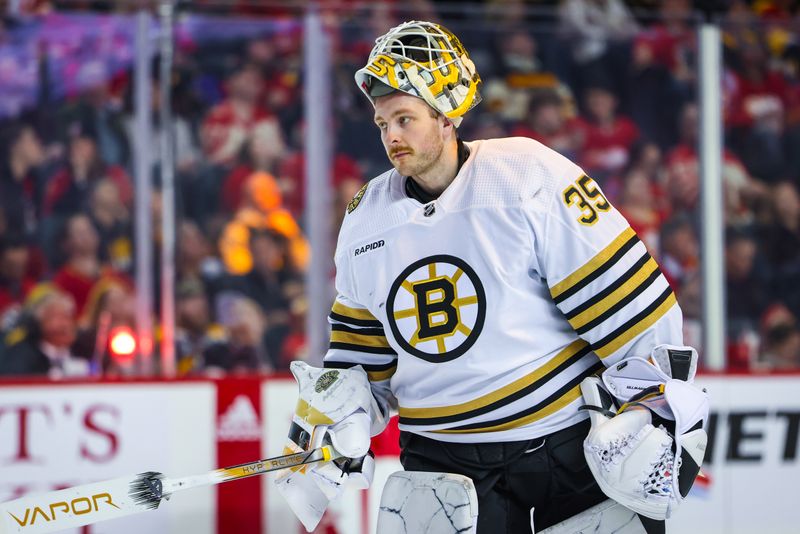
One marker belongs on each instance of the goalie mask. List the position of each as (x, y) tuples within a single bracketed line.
[(425, 60)]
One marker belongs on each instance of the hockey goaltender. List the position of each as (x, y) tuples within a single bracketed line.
[(491, 296)]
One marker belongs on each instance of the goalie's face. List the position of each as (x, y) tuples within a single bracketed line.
[(413, 134)]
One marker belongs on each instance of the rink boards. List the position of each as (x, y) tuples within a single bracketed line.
[(57, 435)]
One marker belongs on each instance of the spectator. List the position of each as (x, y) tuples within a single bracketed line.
[(83, 268), (596, 31), (670, 42), (346, 174), (99, 108), (41, 344), (782, 237), (748, 293), (662, 70), (112, 221), (228, 125), (780, 339), (261, 210), (608, 137), (196, 260), (548, 123), (741, 191), (272, 283), (756, 113), (680, 251), (638, 202), (781, 241), (520, 76), (22, 158), (15, 284), (110, 305), (244, 322), (197, 338), (782, 348), (67, 191), (186, 152), (646, 158), (259, 154)]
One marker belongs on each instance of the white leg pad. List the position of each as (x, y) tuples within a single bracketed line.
[(416, 502), (608, 517)]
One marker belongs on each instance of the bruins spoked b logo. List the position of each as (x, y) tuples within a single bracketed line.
[(436, 308)]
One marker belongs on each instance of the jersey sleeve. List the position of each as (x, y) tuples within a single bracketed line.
[(601, 276), (358, 338)]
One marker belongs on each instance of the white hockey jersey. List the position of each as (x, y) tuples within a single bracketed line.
[(477, 315)]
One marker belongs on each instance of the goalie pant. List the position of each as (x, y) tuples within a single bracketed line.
[(548, 474)]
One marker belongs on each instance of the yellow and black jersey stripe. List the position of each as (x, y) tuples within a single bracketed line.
[(358, 338), (356, 329), (577, 353), (596, 267), (375, 371), (372, 340), (353, 316), (615, 296)]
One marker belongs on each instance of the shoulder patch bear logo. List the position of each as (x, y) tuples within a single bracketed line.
[(353, 204)]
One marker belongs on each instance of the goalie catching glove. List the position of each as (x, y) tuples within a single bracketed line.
[(335, 407), (645, 450)]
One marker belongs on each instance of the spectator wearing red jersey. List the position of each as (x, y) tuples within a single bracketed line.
[(230, 124), (662, 70), (346, 172), (756, 115), (83, 268), (546, 122), (670, 41), (639, 203), (607, 136), (683, 175), (67, 192)]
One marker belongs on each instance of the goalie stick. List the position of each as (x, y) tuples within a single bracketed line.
[(119, 497)]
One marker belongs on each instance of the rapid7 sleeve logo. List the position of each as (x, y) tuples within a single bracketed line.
[(587, 196)]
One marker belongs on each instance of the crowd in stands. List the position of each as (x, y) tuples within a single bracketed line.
[(611, 86)]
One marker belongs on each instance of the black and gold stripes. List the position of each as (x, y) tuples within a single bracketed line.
[(372, 340), (358, 331), (618, 312), (353, 316), (609, 344), (565, 395), (504, 396), (591, 270), (375, 372)]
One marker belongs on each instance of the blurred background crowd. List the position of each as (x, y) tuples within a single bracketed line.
[(612, 85)]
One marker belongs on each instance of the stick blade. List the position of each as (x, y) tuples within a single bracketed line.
[(82, 505)]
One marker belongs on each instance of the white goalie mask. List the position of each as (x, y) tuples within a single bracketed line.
[(425, 60)]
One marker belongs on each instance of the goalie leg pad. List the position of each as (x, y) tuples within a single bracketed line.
[(428, 503), (604, 518)]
